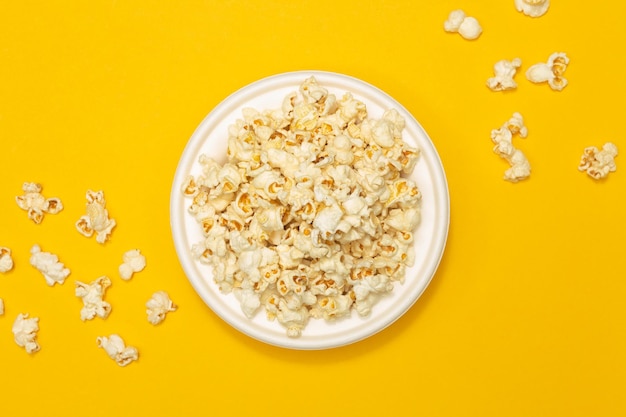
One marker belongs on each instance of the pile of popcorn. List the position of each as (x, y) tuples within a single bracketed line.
[(95, 221), (313, 214), (596, 163)]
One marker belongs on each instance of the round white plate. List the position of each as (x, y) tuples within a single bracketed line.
[(430, 237)]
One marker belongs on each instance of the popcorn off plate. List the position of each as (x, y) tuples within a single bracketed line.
[(211, 138)]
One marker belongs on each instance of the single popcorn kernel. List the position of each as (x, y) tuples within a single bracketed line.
[(550, 72), (48, 264), (520, 167), (6, 261), (158, 306), (598, 163), (134, 262), (25, 332), (468, 27), (504, 71), (97, 218), (116, 349), (312, 215), (532, 8), (36, 204), (91, 295)]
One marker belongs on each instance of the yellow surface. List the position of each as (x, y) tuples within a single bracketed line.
[(525, 316)]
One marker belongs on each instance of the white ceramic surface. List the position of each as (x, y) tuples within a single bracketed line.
[(210, 138)]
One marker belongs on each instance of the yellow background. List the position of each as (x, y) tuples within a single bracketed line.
[(525, 316)]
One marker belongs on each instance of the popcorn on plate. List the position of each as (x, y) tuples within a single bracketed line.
[(312, 216)]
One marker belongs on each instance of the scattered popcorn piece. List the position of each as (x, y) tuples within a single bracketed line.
[(520, 167), (48, 264), (532, 8), (25, 332), (552, 71), (312, 215), (92, 295), (504, 71), (36, 204), (6, 261), (116, 349), (134, 261), (158, 306), (454, 21), (467, 26), (598, 163), (1, 307), (97, 218)]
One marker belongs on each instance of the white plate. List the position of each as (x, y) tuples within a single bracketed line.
[(430, 237)]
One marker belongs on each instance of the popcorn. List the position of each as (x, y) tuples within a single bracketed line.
[(36, 204), (25, 332), (116, 349), (552, 71), (520, 167), (598, 163), (1, 307), (297, 213), (249, 300), (97, 218), (468, 27), (504, 71), (532, 8), (6, 261), (158, 306), (91, 295), (134, 261), (48, 264)]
